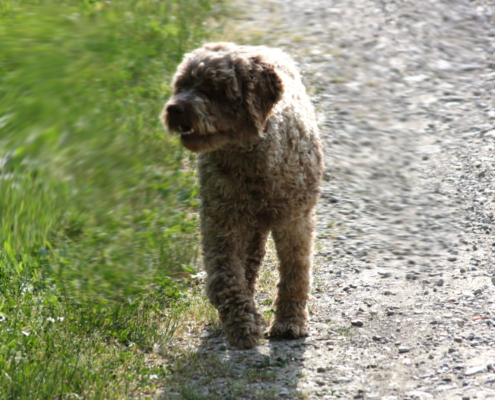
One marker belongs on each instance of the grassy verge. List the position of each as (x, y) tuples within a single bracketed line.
[(95, 200)]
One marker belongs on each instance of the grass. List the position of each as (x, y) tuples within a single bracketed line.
[(98, 237)]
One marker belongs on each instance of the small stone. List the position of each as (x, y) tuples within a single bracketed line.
[(475, 370), (357, 323), (493, 280), (321, 370), (416, 394), (440, 282), (452, 258), (393, 385), (478, 291), (376, 338), (404, 349), (452, 350), (458, 339), (342, 379), (463, 270), (359, 395)]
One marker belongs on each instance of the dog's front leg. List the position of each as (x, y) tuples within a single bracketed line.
[(227, 287), (294, 242)]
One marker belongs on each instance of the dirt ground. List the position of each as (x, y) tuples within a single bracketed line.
[(404, 281)]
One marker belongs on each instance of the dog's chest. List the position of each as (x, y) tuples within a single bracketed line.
[(247, 181)]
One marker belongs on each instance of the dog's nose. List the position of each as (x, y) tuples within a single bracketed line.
[(175, 109)]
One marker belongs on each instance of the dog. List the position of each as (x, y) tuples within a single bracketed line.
[(245, 111)]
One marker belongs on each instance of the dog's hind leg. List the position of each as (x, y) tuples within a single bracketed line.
[(255, 254)]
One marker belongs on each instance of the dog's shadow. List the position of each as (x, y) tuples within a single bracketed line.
[(271, 370)]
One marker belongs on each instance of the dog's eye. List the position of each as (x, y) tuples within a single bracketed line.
[(213, 93)]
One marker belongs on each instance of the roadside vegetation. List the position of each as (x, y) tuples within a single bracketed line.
[(98, 237)]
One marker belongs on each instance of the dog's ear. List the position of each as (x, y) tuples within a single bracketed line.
[(262, 89)]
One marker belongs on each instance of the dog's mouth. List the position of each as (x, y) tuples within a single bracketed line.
[(188, 133)]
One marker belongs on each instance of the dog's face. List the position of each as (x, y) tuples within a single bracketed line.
[(222, 93)]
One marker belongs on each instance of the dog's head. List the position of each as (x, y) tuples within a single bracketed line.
[(222, 93)]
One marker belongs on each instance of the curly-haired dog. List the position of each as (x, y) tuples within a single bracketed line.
[(246, 112)]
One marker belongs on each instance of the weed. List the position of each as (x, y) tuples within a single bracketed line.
[(344, 331)]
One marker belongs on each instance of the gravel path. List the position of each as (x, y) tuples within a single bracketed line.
[(404, 280)]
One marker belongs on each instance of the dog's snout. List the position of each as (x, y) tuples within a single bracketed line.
[(175, 109)]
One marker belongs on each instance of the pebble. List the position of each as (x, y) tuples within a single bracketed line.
[(357, 323), (404, 349), (475, 370), (419, 395), (342, 379)]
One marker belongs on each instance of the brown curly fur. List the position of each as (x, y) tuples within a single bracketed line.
[(246, 111)]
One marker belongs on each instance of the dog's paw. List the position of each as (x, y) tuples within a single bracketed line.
[(290, 328), (244, 337)]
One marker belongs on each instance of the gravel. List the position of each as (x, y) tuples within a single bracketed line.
[(404, 96)]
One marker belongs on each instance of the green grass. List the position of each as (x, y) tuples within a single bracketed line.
[(96, 201)]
